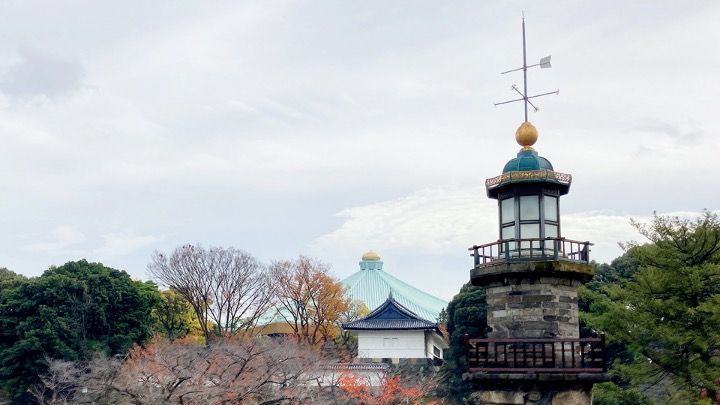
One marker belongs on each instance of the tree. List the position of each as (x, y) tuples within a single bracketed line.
[(610, 394), (7, 276), (79, 382), (174, 316), (345, 340), (620, 269), (466, 315), (443, 317), (309, 300), (667, 312), (69, 312), (226, 286), (393, 389), (232, 370)]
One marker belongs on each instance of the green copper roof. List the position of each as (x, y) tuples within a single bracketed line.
[(373, 286), (527, 159)]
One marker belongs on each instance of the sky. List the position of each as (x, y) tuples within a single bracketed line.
[(329, 128)]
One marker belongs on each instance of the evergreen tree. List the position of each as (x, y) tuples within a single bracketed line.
[(466, 315), (8, 276), (69, 313), (610, 394), (666, 310)]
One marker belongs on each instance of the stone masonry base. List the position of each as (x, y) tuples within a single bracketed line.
[(577, 396), (533, 389)]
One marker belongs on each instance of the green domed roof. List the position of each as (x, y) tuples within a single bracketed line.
[(372, 285), (527, 159)]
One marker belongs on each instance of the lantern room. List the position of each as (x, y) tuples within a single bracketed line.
[(528, 193)]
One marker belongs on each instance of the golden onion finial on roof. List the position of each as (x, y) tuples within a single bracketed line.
[(370, 255), (526, 135)]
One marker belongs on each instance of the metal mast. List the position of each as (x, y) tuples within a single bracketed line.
[(524, 69), (544, 63)]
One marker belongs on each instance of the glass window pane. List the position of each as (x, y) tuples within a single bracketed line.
[(551, 231), (508, 232), (529, 207), (551, 208), (528, 231), (507, 210)]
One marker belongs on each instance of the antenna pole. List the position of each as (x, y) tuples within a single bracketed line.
[(525, 98), (524, 70)]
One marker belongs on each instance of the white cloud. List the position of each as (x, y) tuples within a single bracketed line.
[(36, 74), (253, 122), (65, 243), (56, 240), (123, 244), (445, 221)]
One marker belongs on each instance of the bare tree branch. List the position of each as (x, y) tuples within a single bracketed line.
[(227, 288)]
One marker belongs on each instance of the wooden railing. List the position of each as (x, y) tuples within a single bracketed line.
[(515, 250), (585, 355)]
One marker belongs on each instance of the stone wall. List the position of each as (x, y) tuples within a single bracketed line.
[(578, 396), (533, 307)]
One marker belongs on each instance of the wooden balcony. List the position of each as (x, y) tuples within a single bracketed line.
[(559, 356)]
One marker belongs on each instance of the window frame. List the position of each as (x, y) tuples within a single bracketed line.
[(516, 222)]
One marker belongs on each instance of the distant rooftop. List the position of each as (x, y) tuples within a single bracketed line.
[(390, 315), (372, 285)]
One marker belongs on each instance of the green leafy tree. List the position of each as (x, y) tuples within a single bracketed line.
[(610, 394), (346, 341), (174, 316), (620, 269), (443, 317), (69, 312), (466, 315), (667, 310), (618, 391), (7, 276)]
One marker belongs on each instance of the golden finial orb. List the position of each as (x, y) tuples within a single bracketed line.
[(370, 255), (526, 135)]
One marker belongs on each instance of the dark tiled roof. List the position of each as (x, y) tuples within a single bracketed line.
[(390, 315)]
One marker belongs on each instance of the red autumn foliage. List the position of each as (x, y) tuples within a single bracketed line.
[(229, 371), (392, 390)]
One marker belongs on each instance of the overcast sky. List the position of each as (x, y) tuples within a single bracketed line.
[(328, 128)]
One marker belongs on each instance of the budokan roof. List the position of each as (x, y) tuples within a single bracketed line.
[(372, 285)]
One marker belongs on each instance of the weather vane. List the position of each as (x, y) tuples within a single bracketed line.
[(544, 64)]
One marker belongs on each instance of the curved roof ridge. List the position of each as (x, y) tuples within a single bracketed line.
[(411, 287), (390, 315), (373, 286), (388, 302)]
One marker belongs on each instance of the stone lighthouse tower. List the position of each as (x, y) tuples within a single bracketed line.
[(533, 353), (531, 273)]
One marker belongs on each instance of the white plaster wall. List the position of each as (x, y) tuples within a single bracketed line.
[(410, 344), (433, 338)]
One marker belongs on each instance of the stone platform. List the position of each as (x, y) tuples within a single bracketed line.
[(533, 388)]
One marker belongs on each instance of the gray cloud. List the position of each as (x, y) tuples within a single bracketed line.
[(39, 74), (252, 123), (684, 135)]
